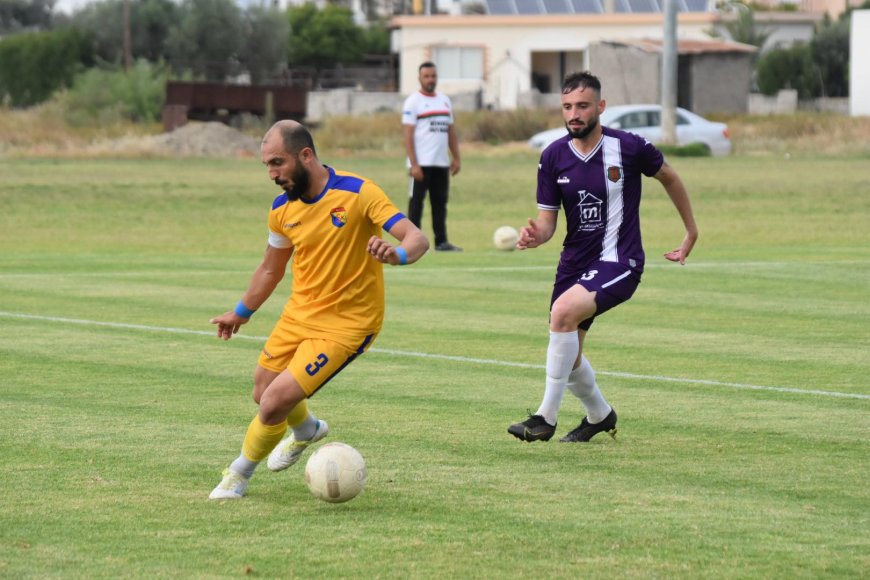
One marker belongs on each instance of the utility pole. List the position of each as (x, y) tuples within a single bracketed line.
[(128, 43), (670, 60)]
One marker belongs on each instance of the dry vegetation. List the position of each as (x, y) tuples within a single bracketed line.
[(42, 131)]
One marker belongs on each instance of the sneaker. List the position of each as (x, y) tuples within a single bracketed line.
[(586, 430), (232, 486), (447, 247), (535, 428), (288, 451)]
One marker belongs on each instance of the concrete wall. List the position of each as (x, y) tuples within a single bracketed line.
[(628, 75), (784, 103), (859, 67), (352, 103), (720, 82)]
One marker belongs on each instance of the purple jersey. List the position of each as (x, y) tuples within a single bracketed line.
[(600, 193)]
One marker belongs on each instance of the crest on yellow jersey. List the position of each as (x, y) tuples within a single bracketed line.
[(339, 216)]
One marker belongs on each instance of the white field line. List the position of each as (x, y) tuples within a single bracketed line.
[(462, 359), (425, 269)]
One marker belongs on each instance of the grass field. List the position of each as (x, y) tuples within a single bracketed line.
[(741, 382)]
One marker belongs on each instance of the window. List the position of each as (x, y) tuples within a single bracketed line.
[(458, 62), (633, 120)]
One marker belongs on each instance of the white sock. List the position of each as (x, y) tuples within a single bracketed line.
[(307, 429), (561, 354), (244, 466), (582, 383)]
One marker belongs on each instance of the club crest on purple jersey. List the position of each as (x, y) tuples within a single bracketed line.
[(614, 173)]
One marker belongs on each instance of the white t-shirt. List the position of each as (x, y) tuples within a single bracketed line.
[(432, 116)]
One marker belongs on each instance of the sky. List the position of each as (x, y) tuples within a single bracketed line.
[(69, 6)]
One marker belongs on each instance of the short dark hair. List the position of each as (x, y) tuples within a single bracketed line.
[(427, 64), (584, 80), (296, 138)]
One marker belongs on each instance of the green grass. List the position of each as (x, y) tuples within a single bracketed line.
[(118, 410)]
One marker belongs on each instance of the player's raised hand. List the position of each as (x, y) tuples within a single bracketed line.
[(228, 324), (681, 253), (529, 237)]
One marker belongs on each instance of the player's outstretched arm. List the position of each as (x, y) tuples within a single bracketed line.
[(539, 231), (264, 281), (412, 245), (680, 198)]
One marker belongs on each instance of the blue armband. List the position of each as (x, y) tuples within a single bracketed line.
[(403, 255), (243, 311)]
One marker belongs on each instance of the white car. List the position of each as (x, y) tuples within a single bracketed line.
[(645, 120)]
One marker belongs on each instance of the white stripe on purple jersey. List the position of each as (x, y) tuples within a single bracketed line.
[(600, 193)]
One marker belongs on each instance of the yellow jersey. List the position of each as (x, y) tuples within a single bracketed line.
[(338, 287)]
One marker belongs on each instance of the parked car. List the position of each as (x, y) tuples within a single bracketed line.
[(645, 120)]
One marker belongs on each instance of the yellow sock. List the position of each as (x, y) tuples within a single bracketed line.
[(298, 414), (261, 439)]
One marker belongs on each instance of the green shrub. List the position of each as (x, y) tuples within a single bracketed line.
[(107, 96), (35, 65), (789, 68), (690, 150)]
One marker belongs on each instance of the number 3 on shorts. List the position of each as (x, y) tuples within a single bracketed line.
[(588, 275), (314, 367)]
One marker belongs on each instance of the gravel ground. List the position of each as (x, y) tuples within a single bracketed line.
[(191, 140)]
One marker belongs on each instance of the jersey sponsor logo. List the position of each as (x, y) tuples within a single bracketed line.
[(339, 216), (614, 173), (590, 209), (563, 180), (290, 225)]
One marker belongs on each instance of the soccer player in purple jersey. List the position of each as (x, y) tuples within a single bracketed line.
[(594, 174)]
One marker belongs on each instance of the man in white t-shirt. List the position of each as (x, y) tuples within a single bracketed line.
[(427, 126)]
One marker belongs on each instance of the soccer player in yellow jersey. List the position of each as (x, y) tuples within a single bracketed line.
[(328, 222)]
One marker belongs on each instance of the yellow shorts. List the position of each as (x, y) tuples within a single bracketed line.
[(311, 361)]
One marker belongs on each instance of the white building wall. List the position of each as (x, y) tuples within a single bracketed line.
[(859, 67), (509, 42)]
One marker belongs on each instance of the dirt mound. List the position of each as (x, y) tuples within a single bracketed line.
[(191, 140)]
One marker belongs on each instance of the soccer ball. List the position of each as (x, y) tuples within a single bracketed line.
[(505, 238), (336, 473)]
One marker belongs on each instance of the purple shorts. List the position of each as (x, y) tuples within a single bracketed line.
[(612, 282)]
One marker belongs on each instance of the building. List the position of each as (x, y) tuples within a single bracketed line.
[(520, 49)]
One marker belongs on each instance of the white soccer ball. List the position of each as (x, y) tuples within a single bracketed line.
[(505, 238), (336, 472)]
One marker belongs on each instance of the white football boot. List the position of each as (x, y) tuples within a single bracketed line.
[(288, 451), (232, 486)]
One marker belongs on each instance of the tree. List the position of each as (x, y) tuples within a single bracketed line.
[(150, 24), (25, 15), (788, 68), (264, 54), (376, 38), (208, 39), (323, 38), (26, 58), (830, 50), (743, 29)]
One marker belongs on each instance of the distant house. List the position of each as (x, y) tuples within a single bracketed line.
[(521, 49), (713, 75)]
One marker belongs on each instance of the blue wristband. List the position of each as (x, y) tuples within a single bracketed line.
[(403, 255), (243, 311)]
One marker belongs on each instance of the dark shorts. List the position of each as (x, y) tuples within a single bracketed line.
[(612, 282)]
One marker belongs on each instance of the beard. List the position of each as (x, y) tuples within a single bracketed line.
[(301, 182), (582, 133)]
